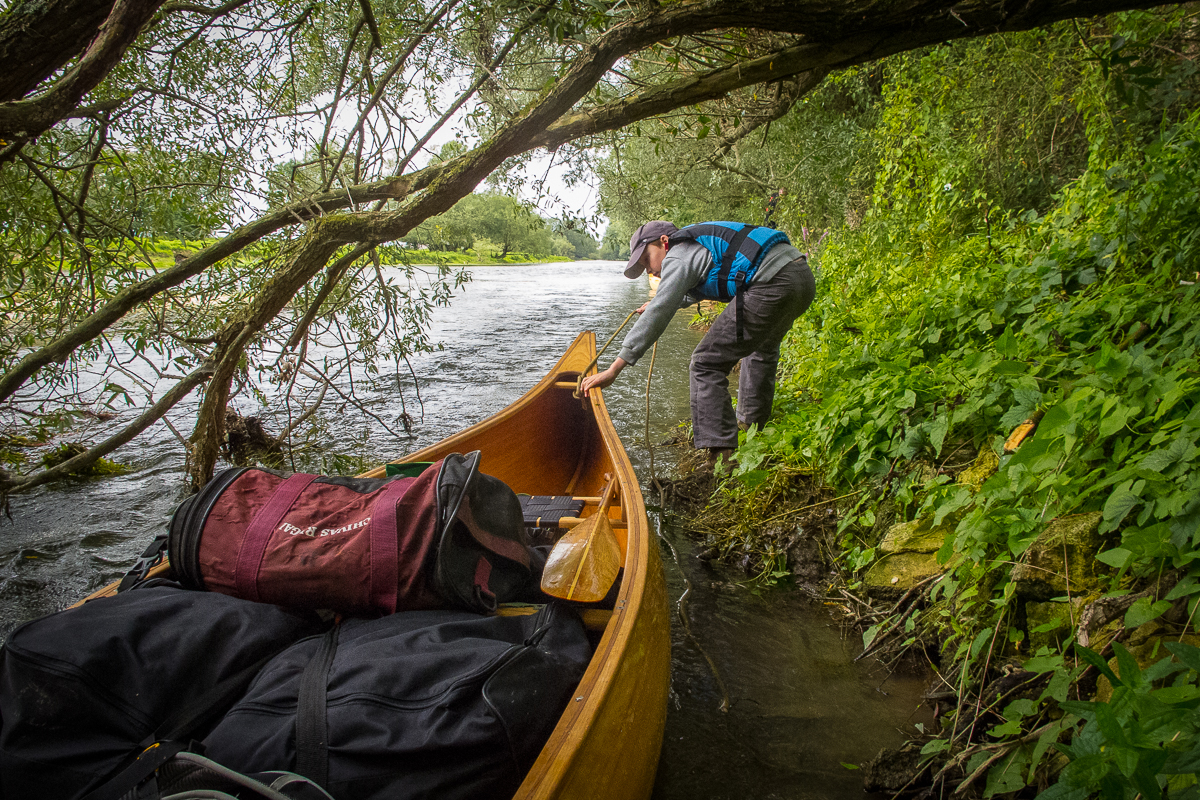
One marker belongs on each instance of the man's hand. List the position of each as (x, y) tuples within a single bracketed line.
[(642, 308), (602, 380)]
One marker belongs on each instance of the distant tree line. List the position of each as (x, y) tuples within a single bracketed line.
[(496, 225)]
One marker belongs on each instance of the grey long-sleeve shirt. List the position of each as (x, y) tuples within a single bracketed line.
[(684, 268)]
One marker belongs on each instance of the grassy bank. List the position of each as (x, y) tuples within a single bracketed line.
[(162, 254), (1008, 406)]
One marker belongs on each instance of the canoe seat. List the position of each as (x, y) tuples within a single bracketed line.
[(544, 511), (542, 514)]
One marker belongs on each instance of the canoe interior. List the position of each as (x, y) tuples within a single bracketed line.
[(607, 742), (546, 443)]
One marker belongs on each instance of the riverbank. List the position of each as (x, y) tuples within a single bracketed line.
[(164, 253), (1009, 459), (798, 707)]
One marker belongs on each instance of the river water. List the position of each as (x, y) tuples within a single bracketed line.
[(799, 709)]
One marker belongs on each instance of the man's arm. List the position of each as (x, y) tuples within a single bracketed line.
[(685, 266)]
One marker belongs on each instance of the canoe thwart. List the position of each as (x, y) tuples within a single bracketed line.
[(594, 619), (571, 522)]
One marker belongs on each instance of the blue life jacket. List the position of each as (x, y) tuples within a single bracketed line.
[(728, 276)]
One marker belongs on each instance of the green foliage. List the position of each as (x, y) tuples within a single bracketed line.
[(68, 450), (1027, 249), (495, 225), (1145, 740)]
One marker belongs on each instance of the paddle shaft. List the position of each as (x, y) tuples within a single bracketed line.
[(605, 498)]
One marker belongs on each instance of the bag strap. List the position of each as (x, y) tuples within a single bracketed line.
[(147, 762), (171, 735), (385, 550), (739, 304), (183, 774), (151, 557), (258, 533), (726, 266), (312, 726)]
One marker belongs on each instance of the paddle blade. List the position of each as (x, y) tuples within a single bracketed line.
[(584, 562)]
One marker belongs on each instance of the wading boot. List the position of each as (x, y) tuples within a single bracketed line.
[(721, 460)]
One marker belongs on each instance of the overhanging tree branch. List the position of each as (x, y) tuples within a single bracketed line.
[(25, 119), (790, 91), (37, 38), (834, 36), (135, 294)]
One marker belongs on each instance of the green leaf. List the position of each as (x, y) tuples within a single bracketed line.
[(1048, 737), (1009, 368), (1117, 419), (1144, 610), (981, 638), (1056, 419), (1146, 782), (1006, 344), (1010, 728), (1118, 557), (1065, 791), (1020, 708), (1188, 654), (1008, 775), (1131, 674), (1185, 762), (869, 635), (1119, 503), (753, 478), (935, 746), (1047, 663), (1093, 658), (1177, 695), (937, 432), (1036, 454), (1110, 726)]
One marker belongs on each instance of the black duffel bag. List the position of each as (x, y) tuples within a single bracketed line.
[(424, 704), (83, 691)]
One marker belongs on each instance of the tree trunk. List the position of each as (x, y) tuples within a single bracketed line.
[(311, 257), (23, 120), (38, 37)]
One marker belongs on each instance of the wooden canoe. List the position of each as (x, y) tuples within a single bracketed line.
[(606, 744)]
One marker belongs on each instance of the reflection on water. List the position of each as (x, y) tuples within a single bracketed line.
[(799, 706)]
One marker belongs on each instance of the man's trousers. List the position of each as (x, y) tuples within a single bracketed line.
[(768, 311)]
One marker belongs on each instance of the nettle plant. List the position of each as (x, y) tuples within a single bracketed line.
[(1145, 740)]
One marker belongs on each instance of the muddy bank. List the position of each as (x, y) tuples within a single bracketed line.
[(993, 701)]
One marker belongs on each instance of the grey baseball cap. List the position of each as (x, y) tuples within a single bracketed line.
[(650, 232)]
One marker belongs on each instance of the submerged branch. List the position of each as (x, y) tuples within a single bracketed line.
[(84, 460)]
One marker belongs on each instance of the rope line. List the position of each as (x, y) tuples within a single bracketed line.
[(649, 447), (579, 382)]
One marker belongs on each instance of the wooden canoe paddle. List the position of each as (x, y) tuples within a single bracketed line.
[(585, 561)]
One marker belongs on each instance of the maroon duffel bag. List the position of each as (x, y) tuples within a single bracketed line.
[(452, 537)]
